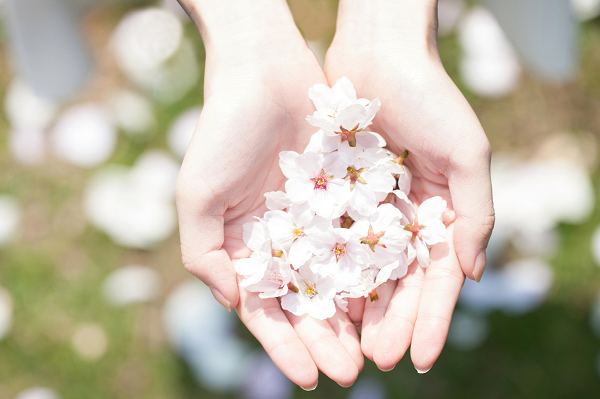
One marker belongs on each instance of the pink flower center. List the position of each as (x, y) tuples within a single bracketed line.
[(321, 180)]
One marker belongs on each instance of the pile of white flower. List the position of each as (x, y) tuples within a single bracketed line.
[(344, 224)]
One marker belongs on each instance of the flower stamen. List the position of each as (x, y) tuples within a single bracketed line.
[(297, 233), (339, 251), (320, 181), (308, 289)]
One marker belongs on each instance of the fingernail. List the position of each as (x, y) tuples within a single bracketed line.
[(345, 386), (220, 298), (422, 371), (311, 389), (479, 266), (386, 370)]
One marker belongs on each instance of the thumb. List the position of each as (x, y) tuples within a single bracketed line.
[(202, 236), (471, 193)]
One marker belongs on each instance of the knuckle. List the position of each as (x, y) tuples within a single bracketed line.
[(190, 263), (322, 340), (400, 320), (264, 312), (445, 274)]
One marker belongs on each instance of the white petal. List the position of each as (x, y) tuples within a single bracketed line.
[(255, 234), (422, 253), (370, 140), (287, 163), (334, 165), (322, 96), (344, 90), (404, 180), (301, 213), (347, 153), (372, 109), (386, 215), (300, 252), (323, 143), (280, 227), (309, 164), (293, 302), (384, 274), (350, 116), (325, 266), (322, 202), (431, 209), (379, 179), (363, 200), (299, 190), (276, 200), (434, 232), (326, 125), (322, 310)]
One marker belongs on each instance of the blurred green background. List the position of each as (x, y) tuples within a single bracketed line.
[(54, 267)]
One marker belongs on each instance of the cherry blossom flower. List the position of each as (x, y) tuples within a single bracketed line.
[(330, 100), (338, 249), (361, 188), (274, 282), (384, 236), (367, 152), (257, 238), (339, 112), (365, 285), (291, 231), (344, 224), (347, 122), (314, 178), (427, 228), (311, 294)]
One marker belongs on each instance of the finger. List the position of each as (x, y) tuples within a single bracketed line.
[(373, 317), (325, 348), (396, 332), (202, 234), (267, 322), (346, 332), (356, 307), (443, 282), (471, 193)]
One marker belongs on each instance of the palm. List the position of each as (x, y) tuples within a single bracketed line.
[(251, 114), (423, 112)]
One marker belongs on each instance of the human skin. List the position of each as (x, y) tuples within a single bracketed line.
[(388, 49), (258, 72)]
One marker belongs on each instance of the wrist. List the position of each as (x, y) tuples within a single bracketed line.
[(406, 24), (238, 27)]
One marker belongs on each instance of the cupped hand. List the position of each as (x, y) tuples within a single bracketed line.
[(395, 58), (256, 86)]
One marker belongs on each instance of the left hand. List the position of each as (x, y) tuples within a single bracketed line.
[(389, 50)]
